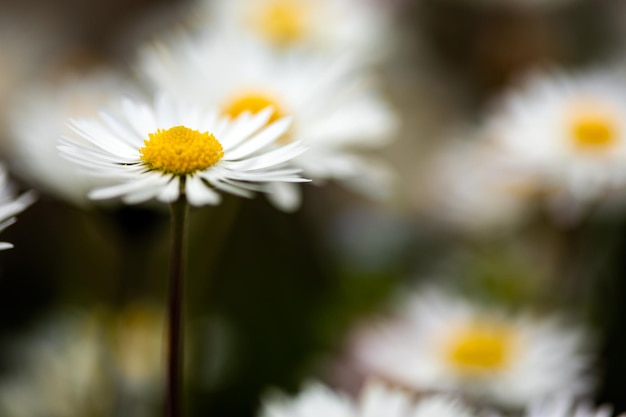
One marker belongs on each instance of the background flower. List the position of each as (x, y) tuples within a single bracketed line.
[(439, 343)]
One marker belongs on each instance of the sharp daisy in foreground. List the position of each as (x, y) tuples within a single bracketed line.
[(166, 150), (375, 400), (446, 344), (10, 204), (181, 155)]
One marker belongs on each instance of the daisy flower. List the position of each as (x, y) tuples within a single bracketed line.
[(569, 131), (335, 112), (87, 363), (439, 343), (375, 400), (352, 26), (38, 118), (10, 204), (62, 367), (165, 150), (471, 187), (564, 407)]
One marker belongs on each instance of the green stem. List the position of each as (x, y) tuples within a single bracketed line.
[(175, 359)]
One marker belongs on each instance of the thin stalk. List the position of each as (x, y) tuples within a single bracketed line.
[(175, 359)]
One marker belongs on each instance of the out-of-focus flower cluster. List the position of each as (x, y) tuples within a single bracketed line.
[(458, 251)]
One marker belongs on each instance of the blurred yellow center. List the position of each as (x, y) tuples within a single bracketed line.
[(593, 131), (253, 103), (282, 21), (481, 348), (180, 150)]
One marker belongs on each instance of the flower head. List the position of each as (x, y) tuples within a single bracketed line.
[(445, 344), (568, 131), (376, 399), (165, 150), (350, 26), (565, 407), (474, 188)]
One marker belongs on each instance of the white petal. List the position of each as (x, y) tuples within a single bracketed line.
[(170, 192), (284, 196), (260, 140), (200, 194), (149, 181), (5, 245)]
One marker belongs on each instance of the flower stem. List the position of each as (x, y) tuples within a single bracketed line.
[(175, 359)]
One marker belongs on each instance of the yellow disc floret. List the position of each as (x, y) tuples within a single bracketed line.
[(181, 151), (481, 348), (281, 21), (593, 126), (252, 102), (593, 132)]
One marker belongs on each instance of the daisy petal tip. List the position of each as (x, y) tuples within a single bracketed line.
[(6, 245)]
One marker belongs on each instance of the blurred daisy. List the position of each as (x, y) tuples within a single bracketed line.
[(97, 363), (564, 407), (352, 26), (375, 400), (472, 187), (439, 343), (335, 111), (61, 372), (38, 118), (165, 150), (10, 204), (569, 131)]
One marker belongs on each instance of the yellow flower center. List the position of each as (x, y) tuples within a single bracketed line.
[(593, 127), (593, 133), (181, 151), (255, 102), (281, 21), (481, 348)]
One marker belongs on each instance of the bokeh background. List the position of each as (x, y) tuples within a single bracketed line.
[(272, 296)]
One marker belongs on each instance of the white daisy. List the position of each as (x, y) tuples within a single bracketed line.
[(38, 118), (164, 150), (354, 26), (375, 400), (335, 112), (564, 407), (569, 131), (439, 343), (10, 204), (62, 367), (472, 187), (93, 363)]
